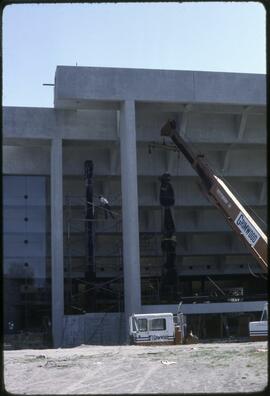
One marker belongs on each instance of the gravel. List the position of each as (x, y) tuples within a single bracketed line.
[(95, 369)]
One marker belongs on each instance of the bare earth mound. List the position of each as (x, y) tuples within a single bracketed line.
[(200, 368)]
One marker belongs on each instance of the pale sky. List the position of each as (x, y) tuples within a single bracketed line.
[(205, 36)]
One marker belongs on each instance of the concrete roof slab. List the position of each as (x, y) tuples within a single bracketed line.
[(79, 84), (91, 83), (234, 88)]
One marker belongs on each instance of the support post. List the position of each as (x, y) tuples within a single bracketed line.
[(242, 124), (131, 250), (57, 265)]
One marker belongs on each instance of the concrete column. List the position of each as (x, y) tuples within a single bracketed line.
[(131, 250), (57, 266)]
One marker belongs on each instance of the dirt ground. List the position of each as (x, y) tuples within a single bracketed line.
[(200, 368)]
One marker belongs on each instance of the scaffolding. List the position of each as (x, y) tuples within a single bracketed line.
[(79, 289)]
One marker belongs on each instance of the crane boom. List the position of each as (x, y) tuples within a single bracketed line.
[(221, 196)]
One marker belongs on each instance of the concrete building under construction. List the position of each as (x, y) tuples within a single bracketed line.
[(74, 269)]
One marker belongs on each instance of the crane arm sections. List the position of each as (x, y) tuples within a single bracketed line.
[(221, 196)]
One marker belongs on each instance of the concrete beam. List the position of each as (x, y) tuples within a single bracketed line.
[(101, 126), (184, 120), (26, 160), (191, 309), (242, 122), (94, 84), (226, 161), (106, 157), (39, 124), (114, 158), (117, 124), (210, 108), (263, 192)]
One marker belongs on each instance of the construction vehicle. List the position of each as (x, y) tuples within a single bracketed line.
[(258, 331), (142, 326), (158, 328), (236, 215), (220, 195)]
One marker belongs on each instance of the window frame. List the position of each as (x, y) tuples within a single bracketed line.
[(164, 322)]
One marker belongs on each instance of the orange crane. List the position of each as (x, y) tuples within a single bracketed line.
[(220, 195)]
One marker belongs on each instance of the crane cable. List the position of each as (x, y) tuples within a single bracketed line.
[(251, 272)]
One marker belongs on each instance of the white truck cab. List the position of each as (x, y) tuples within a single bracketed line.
[(155, 328)]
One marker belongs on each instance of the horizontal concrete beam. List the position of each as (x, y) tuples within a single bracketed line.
[(212, 108), (34, 159), (75, 84), (202, 127), (36, 126), (191, 309), (23, 123)]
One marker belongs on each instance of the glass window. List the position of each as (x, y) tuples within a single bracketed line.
[(139, 324), (27, 256), (158, 324), (142, 324)]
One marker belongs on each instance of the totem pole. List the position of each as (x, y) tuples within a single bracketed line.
[(89, 217), (168, 289)]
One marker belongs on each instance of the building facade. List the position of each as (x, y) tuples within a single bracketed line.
[(77, 277)]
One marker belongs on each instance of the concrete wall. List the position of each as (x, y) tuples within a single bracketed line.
[(94, 329)]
